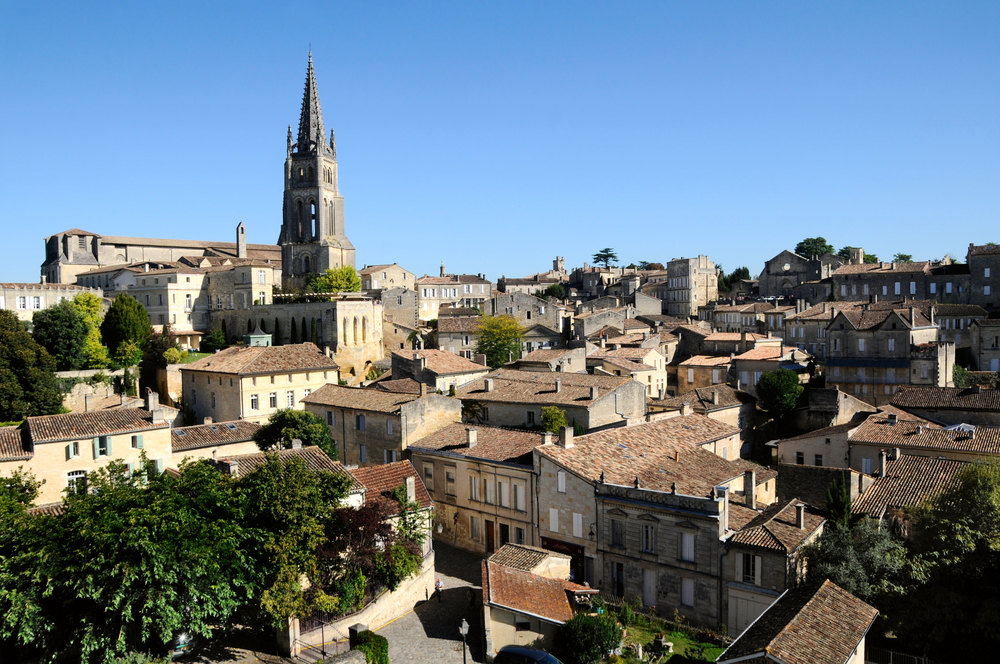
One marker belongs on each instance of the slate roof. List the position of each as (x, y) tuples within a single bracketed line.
[(955, 398), (908, 481), (647, 451), (775, 529), (209, 435), (537, 387), (379, 481), (523, 557), (877, 430), (358, 398), (250, 360), (442, 362), (459, 324), (74, 426), (314, 458), (493, 443), (701, 398), (806, 626), (11, 445), (523, 591)]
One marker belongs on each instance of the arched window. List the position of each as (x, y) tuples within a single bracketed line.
[(298, 214), (343, 341), (364, 329), (355, 329), (310, 173), (305, 265), (315, 219), (302, 173)]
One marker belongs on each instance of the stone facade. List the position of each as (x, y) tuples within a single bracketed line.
[(27, 299), (783, 273), (690, 282), (983, 262), (530, 311), (385, 277), (985, 337), (455, 290)]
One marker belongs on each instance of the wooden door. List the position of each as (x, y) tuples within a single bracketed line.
[(649, 587), (490, 538)]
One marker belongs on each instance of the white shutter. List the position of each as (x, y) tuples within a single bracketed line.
[(577, 524), (553, 520), (756, 570), (561, 480)]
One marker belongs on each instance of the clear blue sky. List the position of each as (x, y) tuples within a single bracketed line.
[(497, 136)]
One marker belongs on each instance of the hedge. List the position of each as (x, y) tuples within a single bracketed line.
[(374, 646)]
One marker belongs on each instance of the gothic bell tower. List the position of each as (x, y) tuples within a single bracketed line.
[(312, 230)]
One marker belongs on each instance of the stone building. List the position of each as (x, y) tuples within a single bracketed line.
[(646, 365), (783, 273), (528, 286), (571, 360), (458, 290), (213, 440), (440, 370), (880, 433), (702, 371), (483, 483), (385, 277), (985, 338), (983, 262), (313, 237), (691, 282), (721, 403), (530, 311), (27, 299), (254, 382), (943, 281), (951, 405), (748, 367), (372, 427), (458, 335)]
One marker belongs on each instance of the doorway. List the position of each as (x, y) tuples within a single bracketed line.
[(649, 587), (504, 533), (618, 579), (491, 544)]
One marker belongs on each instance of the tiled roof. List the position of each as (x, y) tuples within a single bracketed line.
[(522, 556), (889, 409), (866, 319), (828, 431), (459, 324), (806, 626), (705, 361), (606, 331), (878, 430), (492, 443), (734, 336), (627, 365), (769, 352), (968, 310), (810, 484), (537, 387), (399, 386), (634, 354), (11, 445), (983, 249), (48, 509), (378, 268), (379, 481), (588, 314), (633, 324), (957, 398), (247, 360), (775, 528), (314, 458), (49, 428), (908, 481), (647, 451), (448, 312), (209, 435), (451, 279), (442, 362), (38, 286), (358, 398), (691, 329), (530, 593), (702, 398), (988, 322), (546, 354), (882, 268)]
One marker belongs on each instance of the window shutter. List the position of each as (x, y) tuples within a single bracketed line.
[(69, 451), (756, 570), (97, 447), (739, 568), (109, 444), (159, 466), (139, 442), (131, 469)]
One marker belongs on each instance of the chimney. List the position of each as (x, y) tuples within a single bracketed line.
[(677, 455), (604, 341), (594, 393), (800, 516), (296, 443), (489, 384), (88, 403), (481, 359), (229, 467), (715, 397), (686, 409), (566, 437), (471, 436), (152, 400), (933, 311), (145, 268), (913, 316), (881, 463), (411, 489), (207, 420), (896, 454), (547, 438), (750, 488), (893, 418), (645, 335), (43, 279), (826, 307), (558, 385), (723, 493), (920, 429)]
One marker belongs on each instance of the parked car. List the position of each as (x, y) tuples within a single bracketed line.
[(519, 655)]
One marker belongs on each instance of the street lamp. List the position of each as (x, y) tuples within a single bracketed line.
[(464, 629)]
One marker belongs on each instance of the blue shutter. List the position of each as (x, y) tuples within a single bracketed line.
[(139, 442), (69, 451), (159, 466), (131, 469), (108, 438), (97, 448)]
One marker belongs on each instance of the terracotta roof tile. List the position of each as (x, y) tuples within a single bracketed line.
[(357, 398), (537, 387), (983, 249), (769, 352), (883, 268), (442, 362), (908, 481), (806, 626), (952, 398), (878, 430), (775, 528), (702, 398), (248, 360), (734, 336), (50, 428), (11, 445), (523, 591), (209, 435), (493, 443), (379, 481), (399, 386), (546, 354), (314, 458), (705, 361), (523, 557), (459, 324)]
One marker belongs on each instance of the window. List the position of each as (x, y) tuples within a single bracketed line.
[(553, 520), (73, 450), (473, 487), (947, 288), (488, 490), (744, 377), (749, 568), (923, 371), (892, 344), (102, 446), (306, 392), (389, 456), (518, 535), (690, 375), (896, 289), (756, 377), (76, 481), (449, 481), (254, 402), (362, 454), (800, 458), (503, 491), (818, 460), (986, 290), (861, 345), (843, 290), (986, 272), (687, 547), (213, 400), (260, 277), (648, 538), (531, 417), (194, 395), (273, 399), (577, 524), (836, 344), (561, 481), (618, 533), (474, 527), (687, 592), (429, 476), (137, 442), (518, 497), (866, 466), (331, 418), (359, 422), (290, 398), (913, 288)]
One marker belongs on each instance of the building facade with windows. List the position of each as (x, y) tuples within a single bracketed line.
[(254, 382), (372, 426), (984, 261), (458, 290), (385, 277), (25, 300), (691, 282)]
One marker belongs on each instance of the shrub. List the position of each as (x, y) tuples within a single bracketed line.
[(587, 639), (172, 356), (374, 646), (626, 615)]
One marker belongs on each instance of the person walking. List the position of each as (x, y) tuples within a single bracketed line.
[(439, 589)]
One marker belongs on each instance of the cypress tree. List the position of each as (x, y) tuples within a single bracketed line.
[(312, 333), (293, 336), (126, 320), (225, 334), (304, 331), (276, 336)]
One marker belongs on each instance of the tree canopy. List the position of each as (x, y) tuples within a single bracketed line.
[(586, 639), (605, 257), (902, 258), (95, 353), (727, 281), (778, 392), (557, 291), (814, 246), (62, 330), (339, 280), (646, 265), (287, 424), (27, 382), (499, 340), (845, 253), (553, 419), (126, 320)]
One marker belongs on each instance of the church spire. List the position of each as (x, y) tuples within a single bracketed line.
[(311, 132)]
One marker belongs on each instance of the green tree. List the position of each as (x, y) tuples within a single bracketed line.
[(126, 320), (557, 291), (553, 419), (960, 375), (499, 339), (287, 424), (845, 253), (293, 337), (339, 280), (62, 331), (778, 392), (27, 378), (838, 503), (95, 353), (276, 335), (902, 258), (159, 344), (214, 341), (586, 639), (814, 246), (605, 257)]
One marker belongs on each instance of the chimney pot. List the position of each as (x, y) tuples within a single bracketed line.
[(881, 463), (489, 384), (566, 437), (800, 516), (594, 393), (471, 436), (686, 409), (207, 420), (547, 438), (893, 418), (750, 489), (715, 397), (411, 489), (558, 385)]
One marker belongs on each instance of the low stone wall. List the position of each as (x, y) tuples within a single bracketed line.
[(76, 398), (385, 609)]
